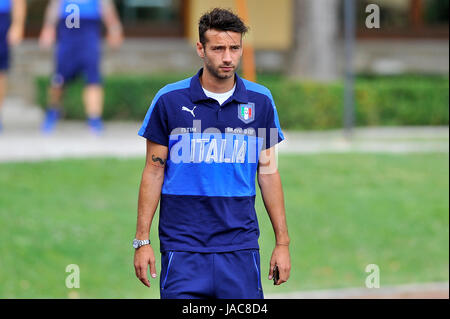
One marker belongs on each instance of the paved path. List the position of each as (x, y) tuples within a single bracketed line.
[(21, 139), (439, 290)]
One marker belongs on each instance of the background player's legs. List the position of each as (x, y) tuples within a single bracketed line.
[(93, 100), (55, 93), (2, 86), (4, 58), (2, 93), (93, 96), (66, 69)]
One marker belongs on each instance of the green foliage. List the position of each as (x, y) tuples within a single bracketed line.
[(380, 100), (126, 96)]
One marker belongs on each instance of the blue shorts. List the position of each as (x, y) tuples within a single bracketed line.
[(229, 275), (70, 64), (5, 22), (78, 53)]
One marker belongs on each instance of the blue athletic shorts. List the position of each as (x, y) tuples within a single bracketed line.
[(70, 64), (78, 53), (229, 275), (5, 22)]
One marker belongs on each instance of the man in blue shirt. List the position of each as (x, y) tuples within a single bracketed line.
[(207, 138), (76, 24), (12, 24)]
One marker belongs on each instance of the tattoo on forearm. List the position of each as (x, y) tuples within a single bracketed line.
[(158, 159)]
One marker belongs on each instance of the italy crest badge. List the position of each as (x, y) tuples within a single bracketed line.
[(246, 112)]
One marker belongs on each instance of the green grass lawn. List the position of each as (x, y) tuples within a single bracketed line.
[(345, 211)]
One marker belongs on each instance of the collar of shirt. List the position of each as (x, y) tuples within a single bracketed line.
[(197, 94), (220, 97)]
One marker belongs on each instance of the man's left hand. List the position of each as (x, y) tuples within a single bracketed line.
[(115, 37), (281, 258)]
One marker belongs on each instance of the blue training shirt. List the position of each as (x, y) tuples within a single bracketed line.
[(208, 195), (5, 6), (88, 9), (89, 32)]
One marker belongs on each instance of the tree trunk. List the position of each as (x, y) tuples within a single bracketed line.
[(315, 51)]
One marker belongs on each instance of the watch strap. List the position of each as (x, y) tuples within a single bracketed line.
[(141, 243)]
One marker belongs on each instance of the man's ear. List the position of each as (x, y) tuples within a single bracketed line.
[(200, 50)]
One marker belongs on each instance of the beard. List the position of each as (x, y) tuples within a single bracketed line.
[(215, 71)]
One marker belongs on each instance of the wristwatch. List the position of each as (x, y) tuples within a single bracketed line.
[(139, 243)]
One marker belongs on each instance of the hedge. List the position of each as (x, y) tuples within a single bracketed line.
[(379, 100)]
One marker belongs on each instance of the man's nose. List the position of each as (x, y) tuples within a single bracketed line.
[(227, 56)]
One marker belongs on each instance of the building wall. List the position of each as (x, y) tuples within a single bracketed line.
[(271, 22)]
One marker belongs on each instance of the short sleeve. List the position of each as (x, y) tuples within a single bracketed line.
[(155, 125), (273, 133)]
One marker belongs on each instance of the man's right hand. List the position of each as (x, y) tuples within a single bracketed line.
[(143, 257)]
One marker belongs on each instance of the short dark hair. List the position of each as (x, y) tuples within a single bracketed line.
[(220, 19)]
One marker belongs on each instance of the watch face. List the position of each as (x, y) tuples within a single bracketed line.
[(135, 243)]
